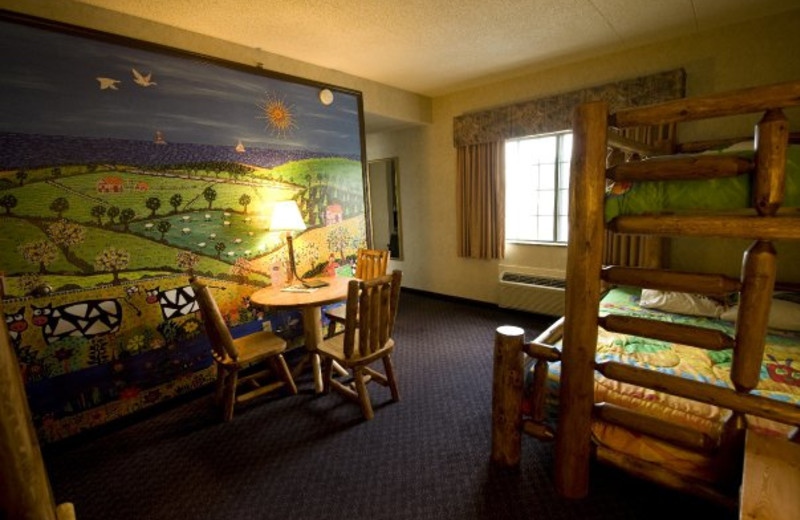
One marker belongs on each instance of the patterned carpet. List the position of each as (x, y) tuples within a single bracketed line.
[(308, 457)]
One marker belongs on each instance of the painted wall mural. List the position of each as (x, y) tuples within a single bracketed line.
[(123, 166)]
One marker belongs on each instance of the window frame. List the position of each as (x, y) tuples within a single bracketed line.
[(559, 159)]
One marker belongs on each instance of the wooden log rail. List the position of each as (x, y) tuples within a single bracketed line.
[(771, 409), (711, 284), (686, 168), (744, 101), (658, 428), (672, 332), (731, 226)]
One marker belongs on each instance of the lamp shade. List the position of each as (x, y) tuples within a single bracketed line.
[(286, 217)]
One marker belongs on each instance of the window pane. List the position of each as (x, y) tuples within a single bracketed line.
[(563, 229), (565, 153), (563, 175), (547, 176), (545, 228), (546, 203), (563, 202)]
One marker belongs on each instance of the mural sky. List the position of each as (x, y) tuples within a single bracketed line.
[(82, 87)]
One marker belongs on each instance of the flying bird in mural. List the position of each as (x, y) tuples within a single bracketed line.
[(143, 80), (108, 83)]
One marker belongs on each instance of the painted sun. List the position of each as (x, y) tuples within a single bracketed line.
[(278, 114)]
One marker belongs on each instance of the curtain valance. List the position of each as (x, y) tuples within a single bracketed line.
[(554, 113)]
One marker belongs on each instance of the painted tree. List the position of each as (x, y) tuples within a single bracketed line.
[(187, 261), (9, 202), (210, 194), (98, 212), (21, 176), (29, 282), (153, 203), (163, 227), (66, 234), (113, 260), (41, 253), (59, 206), (113, 212), (308, 254), (338, 240), (55, 172), (245, 201), (219, 248), (175, 201), (125, 217)]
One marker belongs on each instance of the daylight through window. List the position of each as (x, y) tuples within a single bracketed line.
[(537, 188)]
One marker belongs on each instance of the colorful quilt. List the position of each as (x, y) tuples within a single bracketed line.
[(780, 380)]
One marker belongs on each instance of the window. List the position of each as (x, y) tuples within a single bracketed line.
[(537, 188)]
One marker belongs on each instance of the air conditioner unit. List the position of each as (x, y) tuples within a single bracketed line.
[(535, 290)]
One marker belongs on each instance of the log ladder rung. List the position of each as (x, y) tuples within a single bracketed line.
[(671, 332)]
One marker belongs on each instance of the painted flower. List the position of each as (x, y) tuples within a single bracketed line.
[(190, 327), (135, 344)]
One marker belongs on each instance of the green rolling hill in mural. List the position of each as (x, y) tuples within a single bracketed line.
[(57, 222)]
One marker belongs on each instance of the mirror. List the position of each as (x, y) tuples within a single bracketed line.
[(384, 189)]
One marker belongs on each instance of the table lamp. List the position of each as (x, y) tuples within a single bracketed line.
[(286, 217)]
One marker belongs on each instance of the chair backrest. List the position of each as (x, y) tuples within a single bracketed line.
[(371, 263), (370, 313), (216, 328)]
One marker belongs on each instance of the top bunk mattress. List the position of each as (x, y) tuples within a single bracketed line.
[(731, 193)]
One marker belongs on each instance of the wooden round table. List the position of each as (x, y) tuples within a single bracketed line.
[(310, 304)]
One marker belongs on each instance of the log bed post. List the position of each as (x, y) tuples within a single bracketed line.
[(584, 261), (507, 395)]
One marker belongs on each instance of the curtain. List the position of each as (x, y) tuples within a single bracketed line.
[(481, 200)]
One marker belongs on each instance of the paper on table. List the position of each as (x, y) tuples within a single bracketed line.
[(299, 289)]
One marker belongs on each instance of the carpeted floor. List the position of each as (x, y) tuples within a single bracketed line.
[(309, 457)]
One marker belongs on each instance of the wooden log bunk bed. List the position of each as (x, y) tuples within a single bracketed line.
[(571, 342)]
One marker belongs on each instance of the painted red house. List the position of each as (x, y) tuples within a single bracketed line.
[(333, 214), (110, 184)]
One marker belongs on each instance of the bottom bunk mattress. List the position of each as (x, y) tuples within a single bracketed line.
[(779, 380)]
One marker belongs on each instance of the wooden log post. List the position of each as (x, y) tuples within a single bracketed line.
[(507, 395), (584, 261), (24, 487), (539, 391), (772, 138), (758, 278), (729, 459)]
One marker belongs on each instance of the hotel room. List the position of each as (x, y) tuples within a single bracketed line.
[(420, 118)]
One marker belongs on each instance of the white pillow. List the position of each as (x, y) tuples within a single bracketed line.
[(680, 303), (783, 315)]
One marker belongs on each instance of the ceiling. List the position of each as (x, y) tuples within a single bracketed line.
[(433, 47)]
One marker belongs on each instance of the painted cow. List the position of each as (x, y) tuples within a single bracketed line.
[(174, 303), (16, 324), (84, 319)]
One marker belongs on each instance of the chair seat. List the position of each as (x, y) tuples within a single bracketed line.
[(333, 347), (258, 345), (337, 314)]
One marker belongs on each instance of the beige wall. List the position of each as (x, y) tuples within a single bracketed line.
[(765, 51)]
